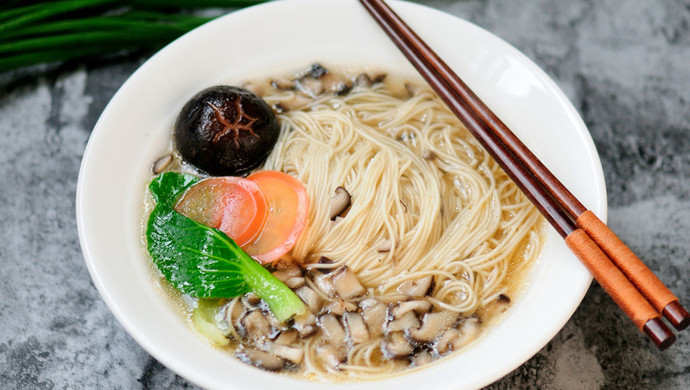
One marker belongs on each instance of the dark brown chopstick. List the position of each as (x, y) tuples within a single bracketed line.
[(644, 280), (585, 234)]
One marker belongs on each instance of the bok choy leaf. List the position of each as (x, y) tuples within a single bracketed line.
[(204, 262)]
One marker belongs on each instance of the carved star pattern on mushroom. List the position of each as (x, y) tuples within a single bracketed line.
[(236, 126), (249, 123)]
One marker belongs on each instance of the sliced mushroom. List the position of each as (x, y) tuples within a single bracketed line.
[(295, 283), (386, 245), (311, 86), (283, 84), (259, 88), (252, 299), (276, 326), (418, 306), (330, 354), (295, 103), (346, 283), (335, 83), (392, 298), (287, 337), (284, 262), (292, 354), (501, 304), (503, 298), (397, 87), (447, 340), (339, 202), (334, 332), (414, 89), (367, 79), (311, 298), (354, 323), (363, 80), (429, 155), (421, 358), (374, 315), (378, 78), (325, 261), (316, 70), (340, 307), (469, 330), (305, 324), (255, 325), (233, 313), (434, 324), (324, 283), (417, 287), (161, 164), (289, 272), (260, 359), (396, 346), (407, 321)]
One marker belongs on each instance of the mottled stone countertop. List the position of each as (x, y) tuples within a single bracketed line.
[(625, 65)]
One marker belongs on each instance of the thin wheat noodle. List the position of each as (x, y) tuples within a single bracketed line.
[(426, 200)]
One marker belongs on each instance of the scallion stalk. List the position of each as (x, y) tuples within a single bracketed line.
[(43, 31), (40, 12)]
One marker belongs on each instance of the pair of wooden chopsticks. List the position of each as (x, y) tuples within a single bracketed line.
[(641, 295)]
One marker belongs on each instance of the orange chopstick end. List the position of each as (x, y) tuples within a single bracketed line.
[(634, 269), (621, 290), (638, 273)]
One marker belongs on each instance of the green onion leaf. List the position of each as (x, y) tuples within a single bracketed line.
[(35, 32)]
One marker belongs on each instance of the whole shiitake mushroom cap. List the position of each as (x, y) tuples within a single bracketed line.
[(225, 130)]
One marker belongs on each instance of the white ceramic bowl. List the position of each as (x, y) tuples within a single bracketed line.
[(278, 38)]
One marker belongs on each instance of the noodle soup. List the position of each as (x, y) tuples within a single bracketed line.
[(415, 240)]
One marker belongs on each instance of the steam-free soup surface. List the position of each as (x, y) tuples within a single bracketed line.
[(415, 241)]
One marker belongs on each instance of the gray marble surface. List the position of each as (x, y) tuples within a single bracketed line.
[(624, 64)]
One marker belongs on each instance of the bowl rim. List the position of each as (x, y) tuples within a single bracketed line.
[(412, 13)]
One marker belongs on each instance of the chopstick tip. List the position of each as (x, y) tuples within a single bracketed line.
[(660, 334), (676, 314)]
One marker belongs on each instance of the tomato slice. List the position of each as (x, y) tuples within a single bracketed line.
[(287, 215), (234, 205)]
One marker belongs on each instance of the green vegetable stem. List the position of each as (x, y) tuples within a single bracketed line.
[(44, 31), (204, 262)]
